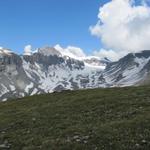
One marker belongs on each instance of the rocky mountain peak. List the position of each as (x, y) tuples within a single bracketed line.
[(47, 51)]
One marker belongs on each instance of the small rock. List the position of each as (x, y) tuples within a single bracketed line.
[(78, 140), (3, 132), (33, 119), (5, 145), (28, 131), (85, 141), (76, 137), (137, 145), (86, 137), (144, 141)]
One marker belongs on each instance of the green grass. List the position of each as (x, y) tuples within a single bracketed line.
[(99, 119)]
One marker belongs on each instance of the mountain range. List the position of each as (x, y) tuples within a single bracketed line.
[(49, 70)]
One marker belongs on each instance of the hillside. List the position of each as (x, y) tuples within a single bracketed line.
[(97, 119)]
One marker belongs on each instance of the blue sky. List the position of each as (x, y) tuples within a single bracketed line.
[(48, 22)]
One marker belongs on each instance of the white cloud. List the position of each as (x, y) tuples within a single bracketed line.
[(28, 50), (123, 27), (110, 54), (71, 51), (78, 53)]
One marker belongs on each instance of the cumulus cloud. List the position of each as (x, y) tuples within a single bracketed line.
[(110, 54), (71, 51), (28, 50), (123, 27), (78, 53)]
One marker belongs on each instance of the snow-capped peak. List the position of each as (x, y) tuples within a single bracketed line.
[(5, 51), (71, 51), (78, 54)]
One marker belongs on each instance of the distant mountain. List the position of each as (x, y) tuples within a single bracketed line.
[(132, 69), (48, 70), (95, 61)]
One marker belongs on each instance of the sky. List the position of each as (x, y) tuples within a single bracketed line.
[(48, 22), (104, 28)]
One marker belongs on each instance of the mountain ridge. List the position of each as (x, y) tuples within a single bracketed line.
[(47, 70)]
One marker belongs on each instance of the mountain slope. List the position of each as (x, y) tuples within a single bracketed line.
[(130, 70), (115, 118), (42, 72), (48, 70)]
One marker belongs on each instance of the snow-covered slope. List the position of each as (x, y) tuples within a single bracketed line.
[(48, 70), (43, 72), (130, 70)]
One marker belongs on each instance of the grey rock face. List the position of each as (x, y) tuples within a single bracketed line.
[(47, 51)]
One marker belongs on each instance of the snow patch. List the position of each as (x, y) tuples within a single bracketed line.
[(28, 87)]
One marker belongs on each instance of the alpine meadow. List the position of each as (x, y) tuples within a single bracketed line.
[(81, 82)]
